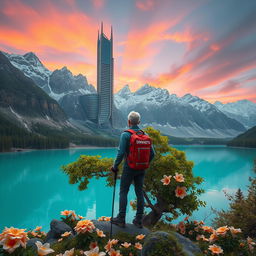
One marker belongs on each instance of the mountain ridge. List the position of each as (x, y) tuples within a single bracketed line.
[(186, 116)]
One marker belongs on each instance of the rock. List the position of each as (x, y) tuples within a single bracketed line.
[(32, 242), (51, 241), (188, 247), (168, 244), (57, 229), (130, 228)]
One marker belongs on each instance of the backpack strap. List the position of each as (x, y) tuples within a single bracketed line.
[(133, 132)]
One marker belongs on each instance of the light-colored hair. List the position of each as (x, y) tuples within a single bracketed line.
[(134, 117)]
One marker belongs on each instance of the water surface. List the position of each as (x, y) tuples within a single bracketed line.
[(33, 189)]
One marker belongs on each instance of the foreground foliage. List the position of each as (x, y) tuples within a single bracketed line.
[(86, 239), (242, 210)]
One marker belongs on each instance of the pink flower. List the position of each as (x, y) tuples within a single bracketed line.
[(180, 192), (166, 180), (179, 177)]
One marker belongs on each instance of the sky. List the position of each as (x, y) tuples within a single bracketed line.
[(203, 47)]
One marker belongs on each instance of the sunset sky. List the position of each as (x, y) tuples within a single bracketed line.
[(203, 47)]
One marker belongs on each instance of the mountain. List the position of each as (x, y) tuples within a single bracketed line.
[(247, 139), (243, 111), (60, 84), (30, 118), (187, 116), (24, 102)]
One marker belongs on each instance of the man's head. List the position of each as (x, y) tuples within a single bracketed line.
[(133, 118)]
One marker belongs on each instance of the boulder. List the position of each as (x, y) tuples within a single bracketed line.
[(188, 247), (168, 244), (129, 229), (32, 242), (57, 229)]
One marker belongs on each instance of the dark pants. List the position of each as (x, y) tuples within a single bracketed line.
[(127, 177)]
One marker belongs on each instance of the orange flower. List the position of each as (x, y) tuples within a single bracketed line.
[(140, 237), (185, 219), (84, 226), (33, 233), (215, 249), (94, 252), (250, 241), (110, 244), (180, 192), (138, 246), (213, 237), (59, 240), (208, 229), (202, 237), (196, 229), (199, 237), (126, 245), (107, 218), (181, 225), (66, 213), (93, 245), (12, 238), (80, 217), (102, 218), (38, 228), (222, 230), (69, 253), (179, 177), (66, 234), (235, 231), (43, 249), (100, 233), (74, 216), (166, 180), (114, 253)]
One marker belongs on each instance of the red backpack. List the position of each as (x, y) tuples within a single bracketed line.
[(139, 151)]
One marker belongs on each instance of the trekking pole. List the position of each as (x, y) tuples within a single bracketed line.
[(113, 203)]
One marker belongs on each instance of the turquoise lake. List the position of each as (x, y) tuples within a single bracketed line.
[(33, 189)]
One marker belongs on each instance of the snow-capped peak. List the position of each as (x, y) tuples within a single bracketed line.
[(145, 89), (124, 92)]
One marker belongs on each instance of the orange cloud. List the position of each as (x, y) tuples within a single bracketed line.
[(67, 32)]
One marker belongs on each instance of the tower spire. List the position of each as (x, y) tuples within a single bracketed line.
[(111, 36), (101, 27)]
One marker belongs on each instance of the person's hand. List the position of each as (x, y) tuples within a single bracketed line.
[(114, 170)]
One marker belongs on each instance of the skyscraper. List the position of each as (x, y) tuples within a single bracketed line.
[(105, 72)]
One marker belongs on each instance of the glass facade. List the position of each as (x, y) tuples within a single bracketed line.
[(89, 103), (105, 66)]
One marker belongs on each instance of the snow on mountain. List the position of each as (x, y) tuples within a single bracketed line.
[(243, 111), (187, 116), (31, 66), (147, 94), (57, 83)]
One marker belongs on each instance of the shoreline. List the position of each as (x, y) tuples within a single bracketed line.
[(20, 150)]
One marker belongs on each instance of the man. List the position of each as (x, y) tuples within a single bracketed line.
[(130, 175)]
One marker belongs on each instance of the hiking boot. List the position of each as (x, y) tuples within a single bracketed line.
[(137, 223), (119, 221)]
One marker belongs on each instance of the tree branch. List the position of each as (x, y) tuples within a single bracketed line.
[(150, 205)]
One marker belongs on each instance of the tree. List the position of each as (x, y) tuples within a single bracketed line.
[(160, 199)]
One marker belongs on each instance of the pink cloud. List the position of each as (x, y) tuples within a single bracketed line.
[(145, 5)]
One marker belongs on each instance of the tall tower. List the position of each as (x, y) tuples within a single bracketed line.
[(105, 72)]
